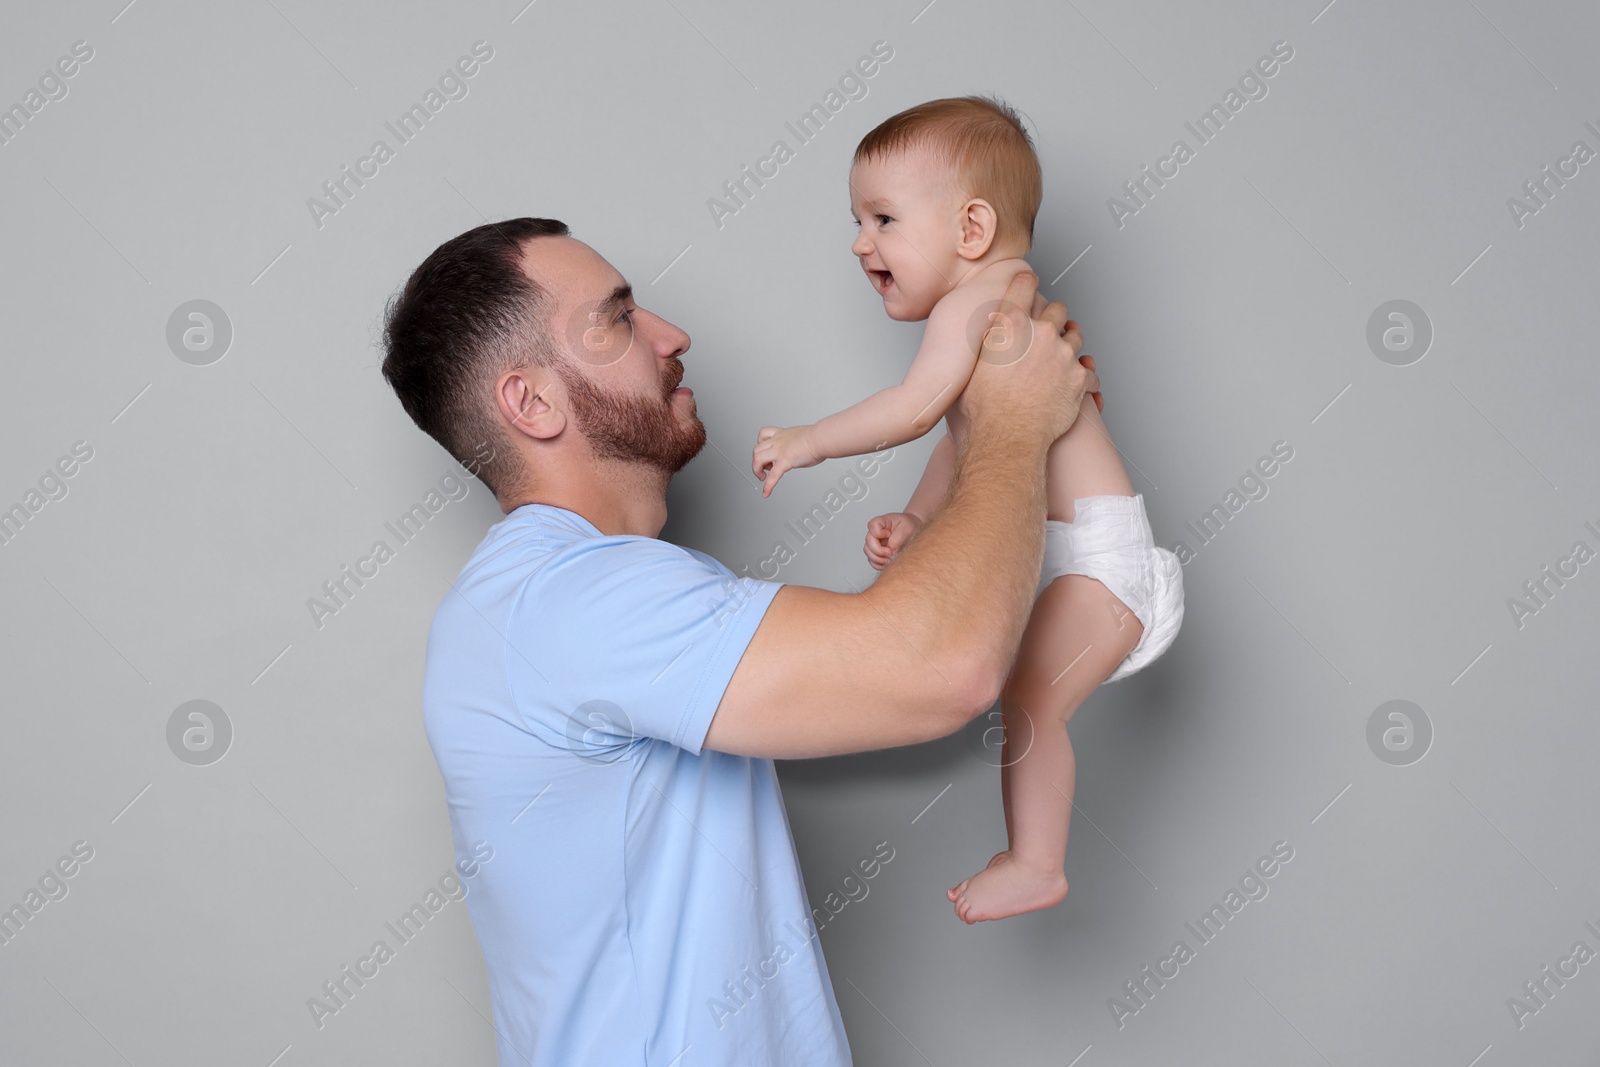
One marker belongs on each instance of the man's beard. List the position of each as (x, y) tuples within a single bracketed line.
[(631, 428)]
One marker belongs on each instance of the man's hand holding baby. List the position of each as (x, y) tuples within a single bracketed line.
[(1028, 372), (888, 534)]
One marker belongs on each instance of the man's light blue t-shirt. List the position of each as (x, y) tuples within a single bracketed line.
[(644, 907)]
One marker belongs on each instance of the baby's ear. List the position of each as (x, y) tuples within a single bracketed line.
[(978, 222)]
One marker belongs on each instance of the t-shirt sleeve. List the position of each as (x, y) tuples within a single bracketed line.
[(625, 637)]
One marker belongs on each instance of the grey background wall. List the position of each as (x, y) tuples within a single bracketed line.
[(1440, 859)]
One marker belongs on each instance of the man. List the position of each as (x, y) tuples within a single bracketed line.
[(605, 706)]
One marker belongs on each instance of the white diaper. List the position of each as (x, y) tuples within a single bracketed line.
[(1109, 539)]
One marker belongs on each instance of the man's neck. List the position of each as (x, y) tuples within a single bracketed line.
[(616, 498)]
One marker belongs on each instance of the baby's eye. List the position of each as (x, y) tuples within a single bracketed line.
[(884, 220)]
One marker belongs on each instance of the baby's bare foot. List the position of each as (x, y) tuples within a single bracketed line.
[(1007, 887)]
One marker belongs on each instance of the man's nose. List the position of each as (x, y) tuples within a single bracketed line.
[(667, 340)]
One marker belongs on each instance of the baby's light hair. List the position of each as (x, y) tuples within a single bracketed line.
[(986, 147)]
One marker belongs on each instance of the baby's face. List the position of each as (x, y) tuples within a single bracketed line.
[(909, 214)]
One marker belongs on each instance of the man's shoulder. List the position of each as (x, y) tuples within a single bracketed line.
[(510, 555), (552, 571), (591, 569)]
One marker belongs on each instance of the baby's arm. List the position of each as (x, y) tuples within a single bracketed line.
[(888, 534), (904, 412), (936, 479)]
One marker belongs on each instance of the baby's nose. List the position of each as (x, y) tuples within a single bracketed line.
[(861, 246)]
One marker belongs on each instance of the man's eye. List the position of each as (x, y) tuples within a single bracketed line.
[(625, 315)]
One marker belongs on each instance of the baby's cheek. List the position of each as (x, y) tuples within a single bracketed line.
[(920, 301)]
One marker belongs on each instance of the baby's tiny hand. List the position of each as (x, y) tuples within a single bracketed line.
[(888, 534), (778, 451)]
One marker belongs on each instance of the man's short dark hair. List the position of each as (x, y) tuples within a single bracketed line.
[(467, 315)]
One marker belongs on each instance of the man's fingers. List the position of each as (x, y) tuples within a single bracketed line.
[(1055, 313), (1020, 293), (1073, 338)]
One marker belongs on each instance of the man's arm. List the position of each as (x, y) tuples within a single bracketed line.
[(927, 647)]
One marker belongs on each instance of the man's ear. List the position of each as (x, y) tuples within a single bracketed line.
[(978, 227), (521, 395)]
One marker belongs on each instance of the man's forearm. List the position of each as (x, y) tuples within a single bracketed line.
[(964, 584)]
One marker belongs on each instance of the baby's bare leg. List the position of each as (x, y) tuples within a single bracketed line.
[(1077, 635)]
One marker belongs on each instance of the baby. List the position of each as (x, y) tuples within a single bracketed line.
[(945, 195)]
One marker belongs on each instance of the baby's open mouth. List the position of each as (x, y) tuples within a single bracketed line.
[(881, 280)]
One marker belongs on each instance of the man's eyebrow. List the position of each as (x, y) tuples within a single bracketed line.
[(615, 300)]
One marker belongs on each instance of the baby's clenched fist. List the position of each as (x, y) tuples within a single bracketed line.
[(887, 535)]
